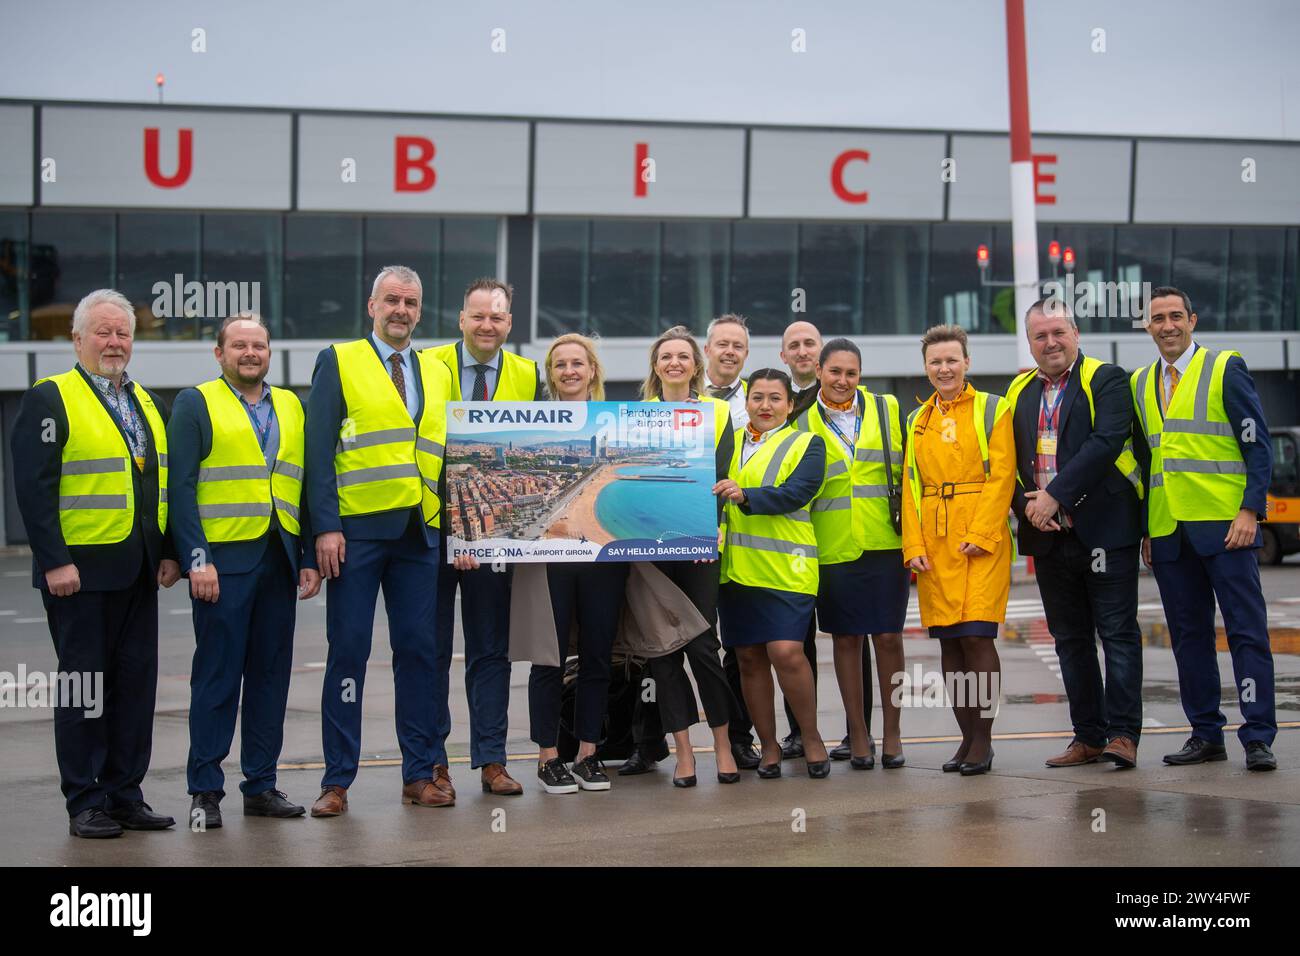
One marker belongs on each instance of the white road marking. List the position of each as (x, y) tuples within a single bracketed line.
[(7, 613), (29, 620)]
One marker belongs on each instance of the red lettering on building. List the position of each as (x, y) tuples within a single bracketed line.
[(413, 169), (837, 175), (639, 181), (1043, 199), (184, 161)]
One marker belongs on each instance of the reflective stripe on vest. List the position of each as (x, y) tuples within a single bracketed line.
[(770, 551), (1197, 469), (516, 378), (383, 461), (860, 487), (96, 490), (986, 415), (1126, 462), (236, 491)]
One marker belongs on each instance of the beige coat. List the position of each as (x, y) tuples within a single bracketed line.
[(657, 618)]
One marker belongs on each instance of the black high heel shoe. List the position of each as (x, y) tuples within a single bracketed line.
[(863, 763), (975, 769), (684, 781), (954, 765), (728, 777), (893, 761), (819, 768), (769, 771)]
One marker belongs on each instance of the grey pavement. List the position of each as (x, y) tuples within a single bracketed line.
[(1020, 814)]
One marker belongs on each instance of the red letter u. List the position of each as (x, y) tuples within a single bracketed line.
[(184, 163)]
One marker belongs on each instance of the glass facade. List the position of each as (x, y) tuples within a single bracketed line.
[(636, 277), (309, 275)]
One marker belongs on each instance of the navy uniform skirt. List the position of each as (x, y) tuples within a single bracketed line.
[(750, 615), (867, 595)]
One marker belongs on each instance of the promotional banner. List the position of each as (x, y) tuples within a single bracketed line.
[(581, 481)]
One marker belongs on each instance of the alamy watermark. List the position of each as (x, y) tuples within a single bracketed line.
[(1087, 299), (179, 299), (77, 690), (922, 688)]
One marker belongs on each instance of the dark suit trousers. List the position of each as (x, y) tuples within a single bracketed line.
[(591, 594), (485, 617), (103, 758), (407, 570), (677, 706), (1189, 587), (245, 637), (1083, 601)]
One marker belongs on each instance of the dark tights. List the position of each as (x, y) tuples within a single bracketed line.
[(971, 664)]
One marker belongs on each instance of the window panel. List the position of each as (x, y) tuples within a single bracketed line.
[(71, 255), (322, 280), (764, 273)]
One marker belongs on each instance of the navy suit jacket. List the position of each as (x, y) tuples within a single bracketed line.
[(189, 441), (1241, 402), (1101, 502), (37, 466), (325, 413)]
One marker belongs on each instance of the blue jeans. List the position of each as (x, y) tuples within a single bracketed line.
[(1086, 598)]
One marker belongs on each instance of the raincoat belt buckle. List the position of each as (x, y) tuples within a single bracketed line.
[(948, 489)]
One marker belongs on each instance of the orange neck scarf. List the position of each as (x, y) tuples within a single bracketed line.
[(838, 406), (754, 435)]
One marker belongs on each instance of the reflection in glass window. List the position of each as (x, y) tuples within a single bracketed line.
[(693, 275), (1201, 270), (897, 265), (956, 296), (832, 264), (563, 266), (469, 252), (245, 249), (155, 252), (322, 278), (1254, 273), (764, 274), (1144, 254), (406, 241), (13, 273), (72, 254), (624, 280)]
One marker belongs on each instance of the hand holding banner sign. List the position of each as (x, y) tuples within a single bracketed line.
[(580, 481)]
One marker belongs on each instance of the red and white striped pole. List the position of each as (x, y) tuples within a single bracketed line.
[(1024, 229)]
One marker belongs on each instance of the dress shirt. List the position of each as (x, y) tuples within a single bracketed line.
[(734, 396), (408, 370), (262, 416), (119, 400), (468, 373)]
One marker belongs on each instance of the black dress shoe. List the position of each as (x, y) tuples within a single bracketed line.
[(271, 803), (140, 816), (952, 766), (747, 758), (862, 763), (1197, 750), (94, 824), (817, 769), (843, 751), (792, 747), (205, 810), (637, 763), (892, 761), (969, 769), (769, 772), (686, 781), (728, 777), (1259, 756)]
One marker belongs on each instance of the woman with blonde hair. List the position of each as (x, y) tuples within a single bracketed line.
[(959, 479)]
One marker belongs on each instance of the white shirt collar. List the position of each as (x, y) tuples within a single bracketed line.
[(385, 350), (733, 387), (1184, 360), (469, 361)]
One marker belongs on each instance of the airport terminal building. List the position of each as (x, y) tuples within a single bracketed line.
[(619, 229)]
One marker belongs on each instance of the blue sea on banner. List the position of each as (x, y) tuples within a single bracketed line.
[(658, 509)]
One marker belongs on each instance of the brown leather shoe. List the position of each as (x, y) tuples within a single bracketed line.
[(332, 801), (1076, 755), (497, 781), (442, 780), (1122, 752), (423, 793)]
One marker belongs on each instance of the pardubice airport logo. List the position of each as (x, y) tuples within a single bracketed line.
[(78, 690), (204, 300)]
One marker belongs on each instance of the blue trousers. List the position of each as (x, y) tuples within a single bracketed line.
[(245, 637), (407, 570), (485, 616), (1188, 589)]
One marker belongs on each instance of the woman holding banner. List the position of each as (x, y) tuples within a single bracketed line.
[(677, 375), (769, 564)]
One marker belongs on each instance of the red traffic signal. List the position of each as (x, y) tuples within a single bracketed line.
[(1053, 252), (1069, 259), (982, 256)]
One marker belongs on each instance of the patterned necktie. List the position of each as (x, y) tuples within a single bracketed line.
[(719, 392), (480, 382), (399, 376), (1174, 376)]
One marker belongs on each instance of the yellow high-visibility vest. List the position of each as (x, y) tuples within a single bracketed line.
[(851, 512), (383, 460), (96, 490), (236, 491), (1197, 470), (770, 551), (516, 376)]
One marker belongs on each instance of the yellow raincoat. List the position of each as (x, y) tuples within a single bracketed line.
[(960, 588)]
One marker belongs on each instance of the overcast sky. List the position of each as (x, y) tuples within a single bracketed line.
[(1171, 67)]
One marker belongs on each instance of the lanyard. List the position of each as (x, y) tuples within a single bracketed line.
[(1049, 414), (857, 427), (263, 429)]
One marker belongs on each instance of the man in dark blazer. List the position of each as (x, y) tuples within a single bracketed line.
[(239, 518), (90, 457), (365, 457), (1205, 446), (1080, 519)]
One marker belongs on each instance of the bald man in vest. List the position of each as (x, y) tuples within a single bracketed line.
[(482, 370), (90, 476), (1079, 503), (376, 428), (239, 519), (1208, 462)]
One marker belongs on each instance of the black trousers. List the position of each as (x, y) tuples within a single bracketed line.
[(868, 694), (591, 594), (103, 757), (676, 699)]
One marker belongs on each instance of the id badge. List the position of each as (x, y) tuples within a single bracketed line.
[(1046, 445)]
